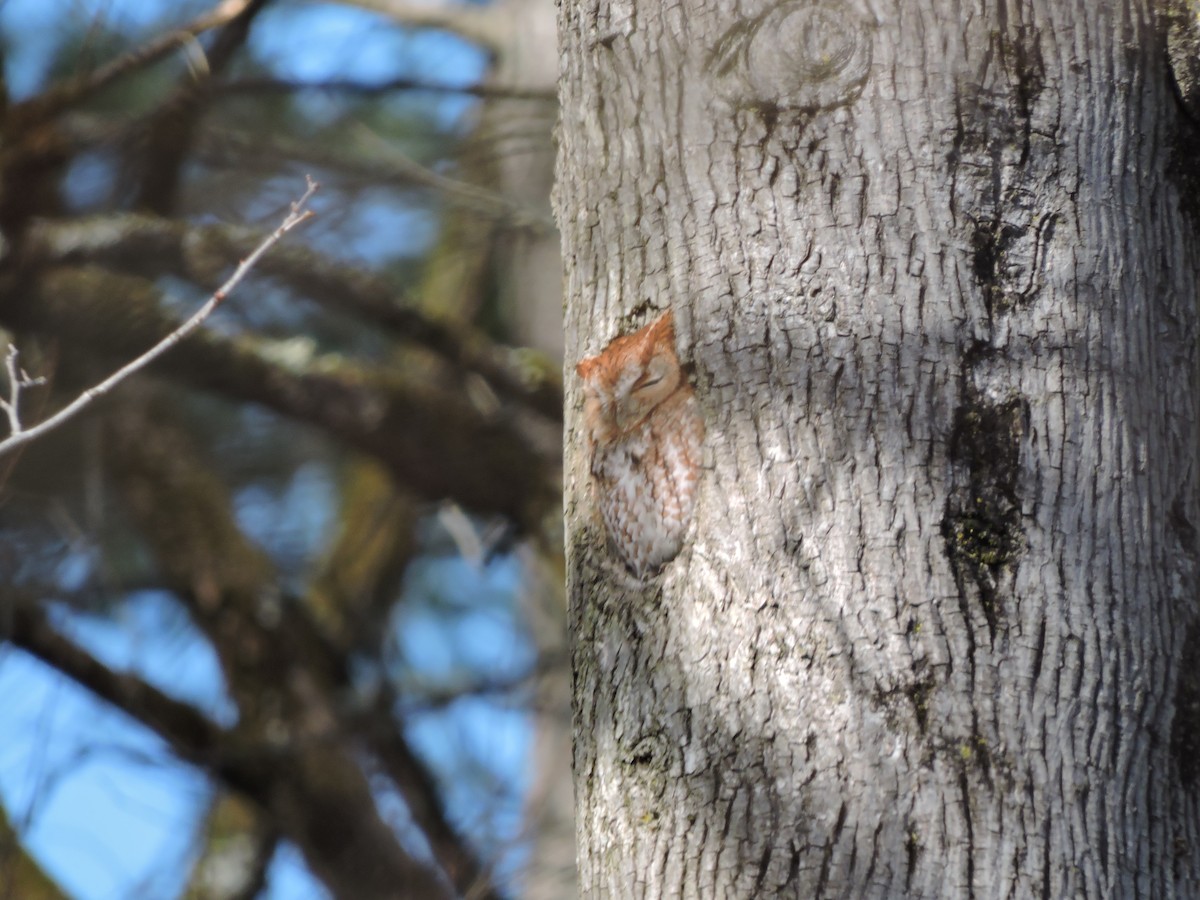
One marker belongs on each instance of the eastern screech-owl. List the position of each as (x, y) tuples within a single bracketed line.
[(644, 435)]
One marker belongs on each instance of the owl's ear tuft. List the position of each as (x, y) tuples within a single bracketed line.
[(662, 329)]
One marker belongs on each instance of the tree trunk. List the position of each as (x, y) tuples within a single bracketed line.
[(932, 631)]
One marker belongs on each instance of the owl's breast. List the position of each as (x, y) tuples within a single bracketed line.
[(646, 485)]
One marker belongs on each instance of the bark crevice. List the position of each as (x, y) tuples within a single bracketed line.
[(1185, 728), (982, 523)]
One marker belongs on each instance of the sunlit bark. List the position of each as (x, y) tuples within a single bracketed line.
[(935, 266)]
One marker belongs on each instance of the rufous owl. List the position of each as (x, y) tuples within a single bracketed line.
[(644, 433)]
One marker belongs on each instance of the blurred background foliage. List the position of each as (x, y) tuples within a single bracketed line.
[(282, 616)]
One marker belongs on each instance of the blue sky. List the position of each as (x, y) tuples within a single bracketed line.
[(101, 802)]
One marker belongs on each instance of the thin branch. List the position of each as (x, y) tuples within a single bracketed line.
[(168, 141), (188, 731), (18, 380), (173, 499), (510, 690), (295, 216), (330, 812), (152, 246), (465, 194), (64, 95), (379, 162), (490, 28), (418, 786), (427, 432), (350, 86)]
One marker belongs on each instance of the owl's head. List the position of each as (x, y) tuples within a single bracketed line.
[(624, 382)]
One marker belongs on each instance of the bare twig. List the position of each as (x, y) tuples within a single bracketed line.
[(20, 436), (18, 380), (151, 246)]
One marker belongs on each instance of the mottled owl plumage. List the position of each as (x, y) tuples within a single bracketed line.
[(644, 435)]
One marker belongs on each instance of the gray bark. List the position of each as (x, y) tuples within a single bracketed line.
[(934, 632)]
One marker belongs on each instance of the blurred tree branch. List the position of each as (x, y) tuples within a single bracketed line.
[(171, 129), (430, 437), (151, 247), (18, 380), (487, 26), (290, 86), (190, 733), (282, 670), (417, 404), (287, 752), (238, 843), (367, 156), (20, 875), (315, 793), (63, 96), (359, 577)]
